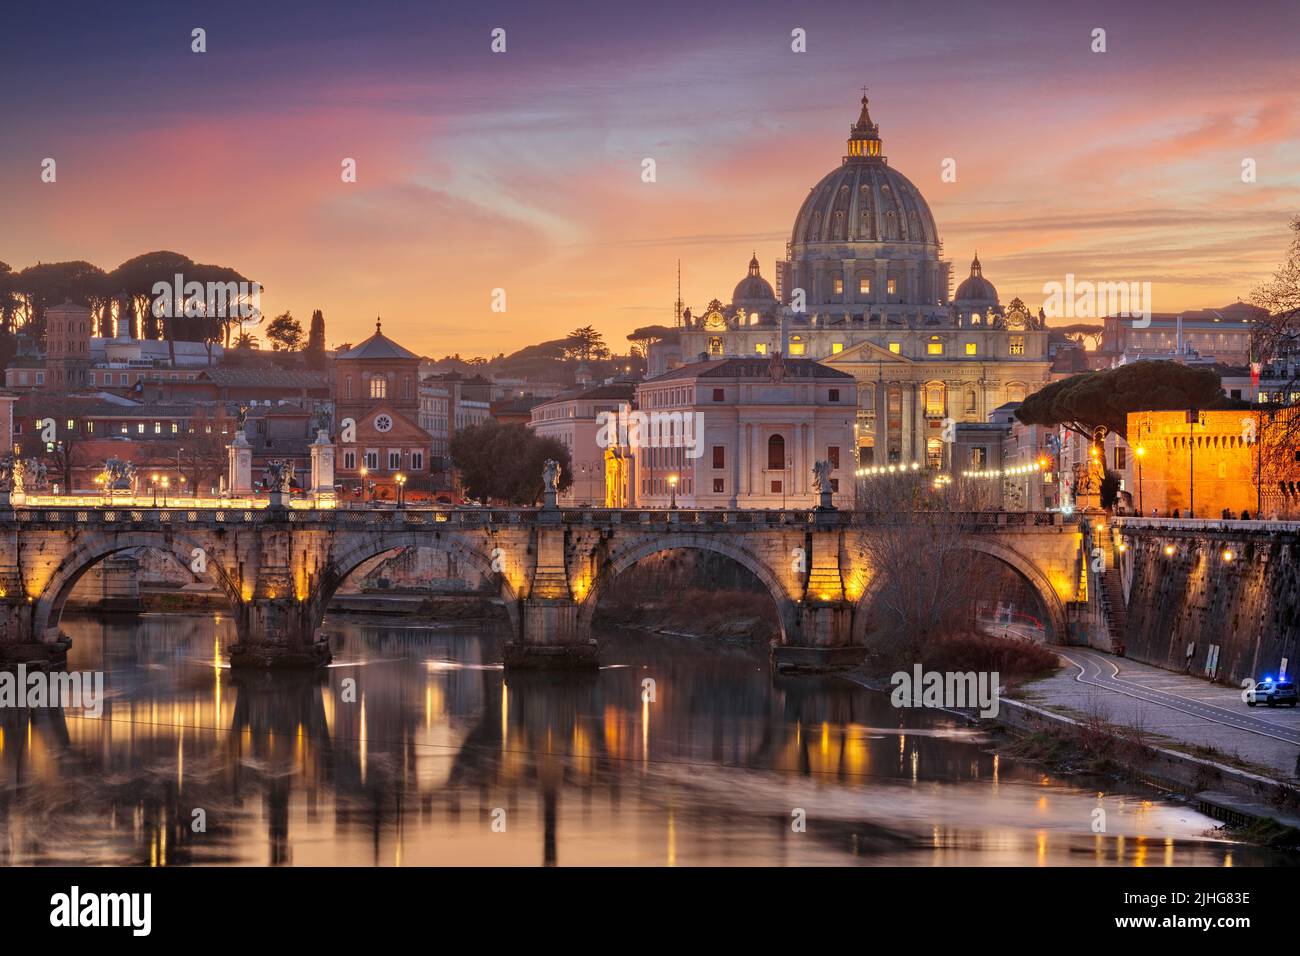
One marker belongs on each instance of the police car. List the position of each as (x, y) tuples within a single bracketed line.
[(1273, 692)]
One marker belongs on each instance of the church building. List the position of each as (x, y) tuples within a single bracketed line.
[(864, 289)]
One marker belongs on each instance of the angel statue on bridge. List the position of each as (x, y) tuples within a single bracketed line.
[(279, 475), (821, 476), (551, 474), (11, 474)]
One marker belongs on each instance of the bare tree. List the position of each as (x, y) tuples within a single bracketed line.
[(1278, 337), (918, 554)]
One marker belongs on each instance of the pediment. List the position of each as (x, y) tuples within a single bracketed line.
[(866, 352)]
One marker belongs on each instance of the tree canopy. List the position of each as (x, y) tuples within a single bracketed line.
[(1082, 402), (504, 462)]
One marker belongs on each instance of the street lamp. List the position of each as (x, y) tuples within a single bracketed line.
[(401, 489), (672, 488), (153, 486), (364, 472), (166, 483)]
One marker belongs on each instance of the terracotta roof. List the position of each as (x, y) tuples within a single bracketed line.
[(378, 346), (753, 368), (265, 377)]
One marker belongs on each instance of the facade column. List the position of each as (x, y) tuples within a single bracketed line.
[(880, 454), (810, 435), (740, 483), (794, 454), (909, 422), (879, 285), (760, 461)]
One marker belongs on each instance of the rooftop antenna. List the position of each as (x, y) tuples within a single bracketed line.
[(678, 305)]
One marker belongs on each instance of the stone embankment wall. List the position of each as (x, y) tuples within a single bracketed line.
[(1220, 600)]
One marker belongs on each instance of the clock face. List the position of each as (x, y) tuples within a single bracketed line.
[(383, 423)]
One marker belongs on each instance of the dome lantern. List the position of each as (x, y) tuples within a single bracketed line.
[(864, 135)]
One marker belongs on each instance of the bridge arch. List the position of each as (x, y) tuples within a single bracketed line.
[(1026, 569), (94, 548), (361, 549), (620, 561)]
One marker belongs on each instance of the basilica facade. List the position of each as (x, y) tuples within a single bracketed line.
[(864, 288)]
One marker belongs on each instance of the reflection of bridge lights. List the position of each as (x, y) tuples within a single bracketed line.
[(1169, 550), (1228, 555)]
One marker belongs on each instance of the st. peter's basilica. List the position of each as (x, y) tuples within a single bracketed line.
[(864, 288)]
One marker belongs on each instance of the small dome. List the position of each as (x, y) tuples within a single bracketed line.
[(976, 288), (753, 289)]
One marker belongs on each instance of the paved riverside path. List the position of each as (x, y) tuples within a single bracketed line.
[(1184, 709)]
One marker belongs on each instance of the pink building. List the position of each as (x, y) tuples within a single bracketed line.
[(744, 433)]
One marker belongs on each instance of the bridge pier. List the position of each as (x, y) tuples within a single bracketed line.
[(822, 638), (549, 635), (277, 633)]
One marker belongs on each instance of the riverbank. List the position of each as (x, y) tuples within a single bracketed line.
[(1254, 807)]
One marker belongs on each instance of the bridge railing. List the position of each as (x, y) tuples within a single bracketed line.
[(1206, 524), (720, 519)]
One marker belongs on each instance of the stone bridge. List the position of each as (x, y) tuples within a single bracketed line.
[(280, 567)]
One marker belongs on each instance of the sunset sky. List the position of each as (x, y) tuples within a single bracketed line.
[(522, 170)]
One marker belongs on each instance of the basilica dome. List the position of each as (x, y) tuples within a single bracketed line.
[(865, 247), (976, 288), (864, 199), (753, 289)]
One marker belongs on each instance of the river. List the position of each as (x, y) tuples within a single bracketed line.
[(414, 748)]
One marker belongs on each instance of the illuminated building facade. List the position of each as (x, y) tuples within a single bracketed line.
[(864, 288)]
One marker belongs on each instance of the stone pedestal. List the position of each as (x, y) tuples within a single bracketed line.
[(239, 478), (322, 465)]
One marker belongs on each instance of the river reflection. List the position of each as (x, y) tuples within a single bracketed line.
[(436, 759)]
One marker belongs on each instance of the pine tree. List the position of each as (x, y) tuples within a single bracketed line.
[(316, 341)]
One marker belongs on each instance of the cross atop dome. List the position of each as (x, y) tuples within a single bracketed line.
[(864, 135)]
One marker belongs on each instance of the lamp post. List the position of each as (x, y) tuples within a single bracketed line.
[(153, 486), (672, 488), (166, 483), (1141, 453), (364, 490), (401, 489)]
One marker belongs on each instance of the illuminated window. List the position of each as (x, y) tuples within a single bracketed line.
[(839, 285), (139, 428), (934, 348), (378, 387), (760, 348), (175, 428), (895, 347), (864, 286), (837, 348), (1017, 346), (970, 348), (934, 453), (796, 346), (934, 400), (891, 286)]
